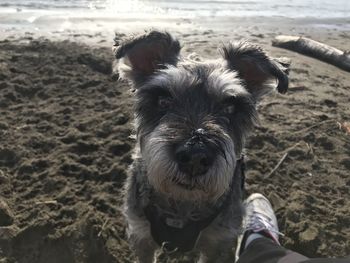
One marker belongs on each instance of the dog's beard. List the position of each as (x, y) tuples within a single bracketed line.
[(164, 175)]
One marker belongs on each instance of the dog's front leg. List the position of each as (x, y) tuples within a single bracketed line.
[(221, 252), (143, 248), (138, 229), (215, 245), (140, 239)]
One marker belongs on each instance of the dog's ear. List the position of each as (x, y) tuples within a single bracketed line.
[(256, 68), (139, 57)]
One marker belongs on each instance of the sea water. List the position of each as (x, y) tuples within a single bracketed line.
[(189, 8), (64, 14)]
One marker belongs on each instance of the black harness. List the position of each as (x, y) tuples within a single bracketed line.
[(172, 235)]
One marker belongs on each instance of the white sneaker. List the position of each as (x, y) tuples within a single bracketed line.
[(259, 218)]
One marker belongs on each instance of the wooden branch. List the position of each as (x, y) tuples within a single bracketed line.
[(281, 160), (102, 228), (277, 165), (312, 48), (315, 126)]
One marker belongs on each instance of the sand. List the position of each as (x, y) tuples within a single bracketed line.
[(65, 125)]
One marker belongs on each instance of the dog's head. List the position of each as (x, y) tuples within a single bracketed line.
[(192, 118)]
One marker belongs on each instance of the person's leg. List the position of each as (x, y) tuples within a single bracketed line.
[(264, 250), (259, 241)]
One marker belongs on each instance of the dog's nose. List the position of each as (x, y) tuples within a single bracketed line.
[(194, 158)]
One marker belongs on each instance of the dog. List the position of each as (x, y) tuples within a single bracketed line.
[(184, 190)]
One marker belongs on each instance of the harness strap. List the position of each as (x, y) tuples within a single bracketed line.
[(171, 238)]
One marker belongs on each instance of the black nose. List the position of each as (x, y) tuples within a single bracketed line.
[(194, 158)]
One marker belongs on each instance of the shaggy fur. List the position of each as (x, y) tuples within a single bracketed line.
[(179, 104)]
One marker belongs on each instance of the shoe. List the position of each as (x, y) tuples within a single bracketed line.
[(259, 218)]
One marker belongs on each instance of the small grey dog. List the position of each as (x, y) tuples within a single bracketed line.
[(184, 192)]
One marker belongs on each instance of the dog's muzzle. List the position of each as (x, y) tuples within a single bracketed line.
[(194, 157), (175, 234)]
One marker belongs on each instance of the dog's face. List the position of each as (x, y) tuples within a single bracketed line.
[(192, 117)]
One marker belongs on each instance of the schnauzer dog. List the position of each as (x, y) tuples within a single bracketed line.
[(184, 191)]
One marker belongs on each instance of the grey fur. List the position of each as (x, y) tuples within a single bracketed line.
[(216, 97)]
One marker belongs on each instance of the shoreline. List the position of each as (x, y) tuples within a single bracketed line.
[(100, 31)]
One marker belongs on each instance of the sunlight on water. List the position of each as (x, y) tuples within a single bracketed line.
[(124, 7), (213, 8), (94, 14), (186, 8)]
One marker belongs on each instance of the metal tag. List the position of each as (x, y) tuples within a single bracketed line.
[(177, 223)]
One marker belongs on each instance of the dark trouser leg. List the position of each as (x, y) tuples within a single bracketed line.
[(264, 250)]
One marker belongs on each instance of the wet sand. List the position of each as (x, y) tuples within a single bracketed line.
[(65, 122)]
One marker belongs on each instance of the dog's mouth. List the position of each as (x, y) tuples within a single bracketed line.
[(186, 184)]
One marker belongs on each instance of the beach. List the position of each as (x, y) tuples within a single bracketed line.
[(66, 121)]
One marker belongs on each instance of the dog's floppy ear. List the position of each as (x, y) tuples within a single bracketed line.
[(256, 68), (139, 57)]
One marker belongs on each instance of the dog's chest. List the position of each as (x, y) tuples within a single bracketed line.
[(177, 213), (177, 225)]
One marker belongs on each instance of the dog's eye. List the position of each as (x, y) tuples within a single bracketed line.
[(164, 103), (229, 105), (229, 109)]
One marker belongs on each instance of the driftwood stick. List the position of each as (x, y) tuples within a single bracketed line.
[(312, 48), (277, 165), (314, 126), (102, 228), (281, 160)]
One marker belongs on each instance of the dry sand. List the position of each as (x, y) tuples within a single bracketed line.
[(65, 123)]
